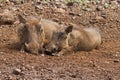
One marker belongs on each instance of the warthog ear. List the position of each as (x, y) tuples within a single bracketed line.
[(69, 29), (22, 20)]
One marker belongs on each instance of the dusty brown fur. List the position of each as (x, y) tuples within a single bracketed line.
[(79, 40)]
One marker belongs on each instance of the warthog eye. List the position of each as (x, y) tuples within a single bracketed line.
[(61, 33), (62, 36)]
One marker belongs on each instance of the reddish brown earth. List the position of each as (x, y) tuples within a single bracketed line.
[(101, 64)]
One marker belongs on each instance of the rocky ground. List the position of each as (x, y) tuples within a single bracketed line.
[(101, 64)]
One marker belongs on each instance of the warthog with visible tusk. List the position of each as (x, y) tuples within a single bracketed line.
[(36, 33)]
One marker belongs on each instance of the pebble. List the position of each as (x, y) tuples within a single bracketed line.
[(74, 18), (117, 52), (93, 21), (80, 14), (99, 8), (116, 61), (9, 77), (39, 7), (70, 4), (60, 10), (17, 71), (72, 13), (1, 52)]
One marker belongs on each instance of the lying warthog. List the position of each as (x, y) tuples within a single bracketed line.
[(74, 39), (36, 33)]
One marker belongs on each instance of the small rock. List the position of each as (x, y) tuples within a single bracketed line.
[(17, 72), (70, 4), (60, 10), (9, 77), (39, 7), (63, 6), (106, 5), (38, 2), (114, 4), (117, 52), (100, 19), (79, 14), (118, 1), (1, 52), (14, 9), (107, 62), (104, 16), (72, 13), (56, 20), (86, 9), (85, 22), (93, 21), (99, 8), (73, 17), (73, 76), (116, 61), (16, 2)]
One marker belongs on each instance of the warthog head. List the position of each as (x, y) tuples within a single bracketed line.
[(58, 41), (31, 36)]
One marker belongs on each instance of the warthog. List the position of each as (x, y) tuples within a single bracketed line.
[(36, 33), (29, 34), (74, 39)]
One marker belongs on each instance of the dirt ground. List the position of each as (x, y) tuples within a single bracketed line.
[(101, 64)]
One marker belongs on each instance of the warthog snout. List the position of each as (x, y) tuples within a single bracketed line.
[(52, 48), (32, 48)]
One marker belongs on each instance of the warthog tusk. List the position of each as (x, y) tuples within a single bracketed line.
[(26, 44)]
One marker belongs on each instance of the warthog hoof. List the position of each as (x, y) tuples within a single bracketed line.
[(22, 51)]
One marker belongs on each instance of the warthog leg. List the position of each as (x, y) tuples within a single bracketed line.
[(43, 50), (43, 54), (22, 50)]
